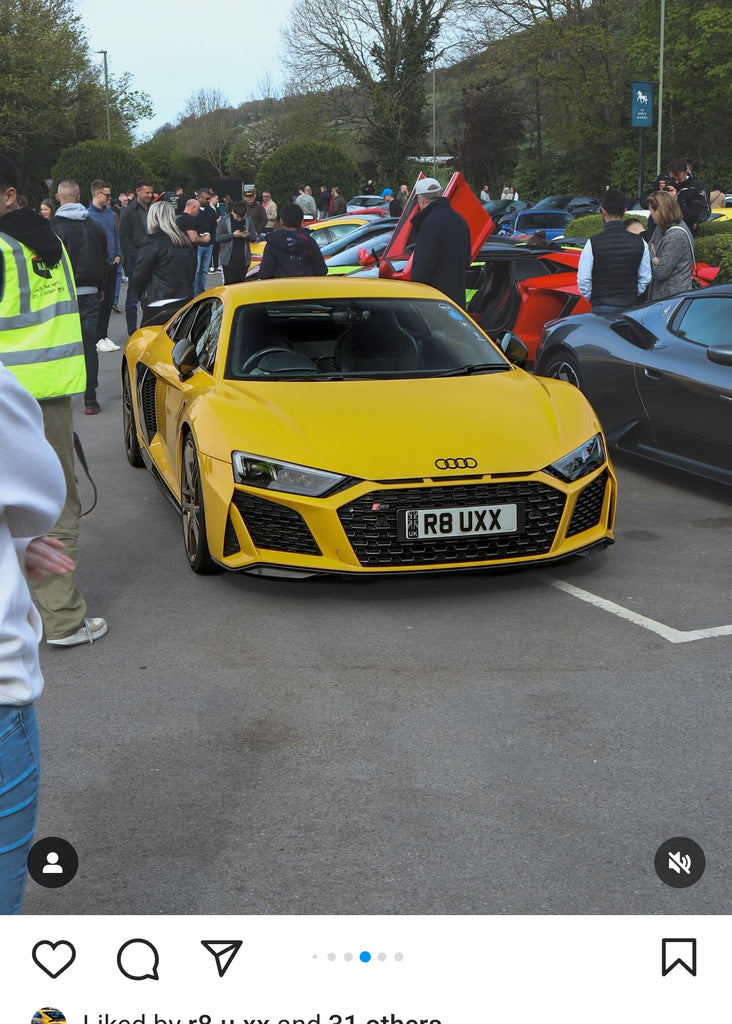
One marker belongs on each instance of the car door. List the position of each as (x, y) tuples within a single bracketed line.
[(688, 397), (200, 324), (462, 199)]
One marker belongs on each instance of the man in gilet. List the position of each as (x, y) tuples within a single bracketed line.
[(615, 265), (41, 344)]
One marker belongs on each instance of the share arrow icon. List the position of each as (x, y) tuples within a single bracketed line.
[(223, 952)]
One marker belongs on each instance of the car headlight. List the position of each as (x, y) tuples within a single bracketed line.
[(255, 471), (583, 460)]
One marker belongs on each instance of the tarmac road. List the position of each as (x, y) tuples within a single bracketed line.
[(461, 744)]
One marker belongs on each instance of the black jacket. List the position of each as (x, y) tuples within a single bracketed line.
[(164, 270), (86, 243), (132, 228), (290, 253), (442, 250)]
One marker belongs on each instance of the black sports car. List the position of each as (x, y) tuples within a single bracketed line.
[(659, 377)]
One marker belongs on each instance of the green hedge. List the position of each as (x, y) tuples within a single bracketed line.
[(715, 248)]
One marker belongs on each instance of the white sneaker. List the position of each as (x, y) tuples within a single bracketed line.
[(107, 345), (124, 279), (87, 633)]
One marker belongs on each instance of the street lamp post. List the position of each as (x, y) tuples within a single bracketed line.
[(434, 119), (106, 94), (660, 87)]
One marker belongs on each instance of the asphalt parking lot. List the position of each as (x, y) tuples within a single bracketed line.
[(460, 744)]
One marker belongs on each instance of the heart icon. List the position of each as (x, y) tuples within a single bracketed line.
[(54, 957)]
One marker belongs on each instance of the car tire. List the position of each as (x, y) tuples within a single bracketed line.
[(563, 366), (132, 445), (193, 517)]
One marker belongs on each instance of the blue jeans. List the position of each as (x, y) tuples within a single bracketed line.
[(20, 773), (204, 262)]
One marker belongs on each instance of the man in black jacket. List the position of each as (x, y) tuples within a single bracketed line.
[(442, 251), (132, 233), (86, 244), (692, 196), (290, 250)]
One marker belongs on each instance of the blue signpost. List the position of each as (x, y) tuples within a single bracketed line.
[(641, 116)]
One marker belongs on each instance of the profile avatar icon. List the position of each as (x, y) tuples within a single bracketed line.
[(48, 1015), (52, 866)]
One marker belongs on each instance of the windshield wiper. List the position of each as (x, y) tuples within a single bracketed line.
[(465, 371)]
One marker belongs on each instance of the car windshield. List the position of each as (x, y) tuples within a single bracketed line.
[(552, 202), (356, 338), (536, 220), (366, 201)]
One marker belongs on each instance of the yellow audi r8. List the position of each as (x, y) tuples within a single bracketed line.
[(328, 425)]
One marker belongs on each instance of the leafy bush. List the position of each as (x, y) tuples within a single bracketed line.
[(716, 249), (313, 163), (715, 227), (89, 160), (583, 227)]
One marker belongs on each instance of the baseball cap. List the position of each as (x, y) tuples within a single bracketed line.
[(386, 192), (428, 187), (250, 190)]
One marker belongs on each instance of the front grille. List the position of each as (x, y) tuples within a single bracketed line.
[(588, 509), (275, 526), (373, 533), (146, 387)]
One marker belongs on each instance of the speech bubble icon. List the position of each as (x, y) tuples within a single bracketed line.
[(138, 960)]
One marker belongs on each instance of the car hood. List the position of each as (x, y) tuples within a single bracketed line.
[(509, 422)]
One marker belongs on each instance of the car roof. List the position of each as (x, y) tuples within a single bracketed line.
[(304, 289), (377, 226)]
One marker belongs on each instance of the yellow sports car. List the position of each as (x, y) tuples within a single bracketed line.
[(48, 1015), (359, 426)]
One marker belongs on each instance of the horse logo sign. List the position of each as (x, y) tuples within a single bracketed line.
[(641, 105)]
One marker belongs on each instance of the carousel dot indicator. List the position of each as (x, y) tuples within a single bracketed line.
[(364, 957)]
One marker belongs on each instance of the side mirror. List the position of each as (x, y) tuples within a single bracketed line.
[(185, 359), (721, 354), (366, 258), (513, 348)]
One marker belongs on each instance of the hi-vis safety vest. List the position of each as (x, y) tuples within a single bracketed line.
[(40, 330)]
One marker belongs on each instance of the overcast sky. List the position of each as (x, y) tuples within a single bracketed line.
[(174, 49)]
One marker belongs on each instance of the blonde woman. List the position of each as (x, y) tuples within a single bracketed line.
[(672, 247), (165, 266)]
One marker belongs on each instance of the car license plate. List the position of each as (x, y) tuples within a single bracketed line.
[(469, 521)]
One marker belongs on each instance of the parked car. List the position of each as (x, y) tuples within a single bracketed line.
[(578, 206), (324, 425), (342, 254), (659, 377), (527, 222), (369, 204)]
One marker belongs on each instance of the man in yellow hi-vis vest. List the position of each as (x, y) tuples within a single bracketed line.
[(40, 343)]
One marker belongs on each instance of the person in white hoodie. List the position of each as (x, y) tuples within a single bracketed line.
[(32, 494)]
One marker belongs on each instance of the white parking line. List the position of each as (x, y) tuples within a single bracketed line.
[(674, 636)]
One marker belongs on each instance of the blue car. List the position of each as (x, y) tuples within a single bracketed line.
[(528, 222)]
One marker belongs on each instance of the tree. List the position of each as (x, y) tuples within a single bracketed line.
[(90, 160), (492, 117), (52, 92), (377, 54), (310, 162), (208, 127)]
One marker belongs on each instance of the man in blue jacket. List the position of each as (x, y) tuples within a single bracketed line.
[(442, 251)]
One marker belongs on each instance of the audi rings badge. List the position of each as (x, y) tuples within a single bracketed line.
[(456, 463)]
